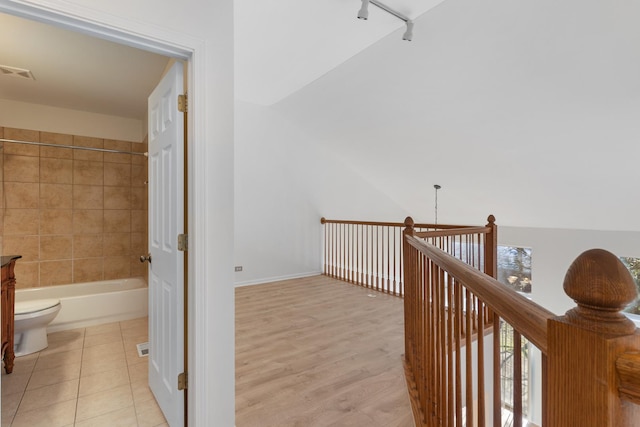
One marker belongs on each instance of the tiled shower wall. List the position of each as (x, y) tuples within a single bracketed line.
[(74, 215)]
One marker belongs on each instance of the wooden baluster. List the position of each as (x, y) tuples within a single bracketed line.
[(458, 335), (450, 335), (469, 359), (388, 258), (395, 245), (480, 339), (517, 379), (497, 395), (324, 232), (584, 344)]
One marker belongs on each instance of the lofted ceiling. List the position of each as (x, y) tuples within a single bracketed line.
[(535, 102)]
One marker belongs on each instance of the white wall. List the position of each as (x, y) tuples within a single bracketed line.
[(24, 115), (205, 28), (285, 182)]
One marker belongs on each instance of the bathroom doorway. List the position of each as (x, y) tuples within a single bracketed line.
[(180, 171)]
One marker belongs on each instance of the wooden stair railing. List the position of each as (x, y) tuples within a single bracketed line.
[(369, 254), (590, 356)]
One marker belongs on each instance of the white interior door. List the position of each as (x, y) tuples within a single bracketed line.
[(166, 221)]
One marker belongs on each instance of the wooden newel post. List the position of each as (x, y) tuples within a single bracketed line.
[(491, 248), (584, 345)]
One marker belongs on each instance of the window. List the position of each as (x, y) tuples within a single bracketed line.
[(633, 264), (514, 270)]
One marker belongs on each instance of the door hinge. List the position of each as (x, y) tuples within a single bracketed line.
[(182, 381), (182, 103), (183, 242)]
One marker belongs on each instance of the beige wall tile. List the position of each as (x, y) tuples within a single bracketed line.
[(117, 267), (138, 221), (84, 141), (55, 247), (117, 221), (87, 221), (21, 135), (21, 222), (55, 272), (139, 244), (138, 175), (56, 171), (27, 274), (117, 197), (56, 196), (19, 195), (88, 173), (139, 198), (117, 244), (27, 246), (117, 157), (88, 245), (21, 169), (138, 269), (70, 199), (56, 221), (56, 152), (87, 270), (117, 174), (56, 138), (139, 148), (88, 197)]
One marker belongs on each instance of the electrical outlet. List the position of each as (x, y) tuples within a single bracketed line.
[(238, 268)]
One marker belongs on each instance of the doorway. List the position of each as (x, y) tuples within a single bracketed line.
[(179, 170)]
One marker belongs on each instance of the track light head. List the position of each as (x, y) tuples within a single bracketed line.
[(408, 35), (363, 13)]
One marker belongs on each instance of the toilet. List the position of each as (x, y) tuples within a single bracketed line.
[(31, 321)]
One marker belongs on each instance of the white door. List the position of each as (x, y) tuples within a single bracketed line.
[(166, 221)]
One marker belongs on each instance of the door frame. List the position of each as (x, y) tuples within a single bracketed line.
[(191, 50)]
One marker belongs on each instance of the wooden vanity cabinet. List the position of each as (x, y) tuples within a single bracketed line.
[(7, 307)]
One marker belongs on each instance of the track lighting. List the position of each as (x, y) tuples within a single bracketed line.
[(408, 35), (364, 10), (363, 13)]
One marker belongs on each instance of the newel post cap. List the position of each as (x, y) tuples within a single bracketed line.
[(601, 286), (408, 223)]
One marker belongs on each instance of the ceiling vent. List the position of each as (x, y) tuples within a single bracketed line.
[(5, 70)]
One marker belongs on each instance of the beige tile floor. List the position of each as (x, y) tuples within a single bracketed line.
[(86, 377)]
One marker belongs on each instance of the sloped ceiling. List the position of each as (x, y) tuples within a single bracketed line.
[(283, 45), (526, 110)]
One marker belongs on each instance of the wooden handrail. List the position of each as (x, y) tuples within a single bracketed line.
[(530, 317), (628, 366), (451, 232), (323, 220)]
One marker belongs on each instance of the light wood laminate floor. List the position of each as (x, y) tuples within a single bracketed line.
[(319, 352)]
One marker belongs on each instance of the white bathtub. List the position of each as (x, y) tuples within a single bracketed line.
[(93, 303)]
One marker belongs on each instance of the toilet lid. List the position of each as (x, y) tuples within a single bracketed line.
[(24, 307)]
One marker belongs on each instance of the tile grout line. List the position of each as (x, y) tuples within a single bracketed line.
[(133, 400), (75, 413)]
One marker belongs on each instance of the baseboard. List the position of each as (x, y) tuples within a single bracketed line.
[(276, 279)]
